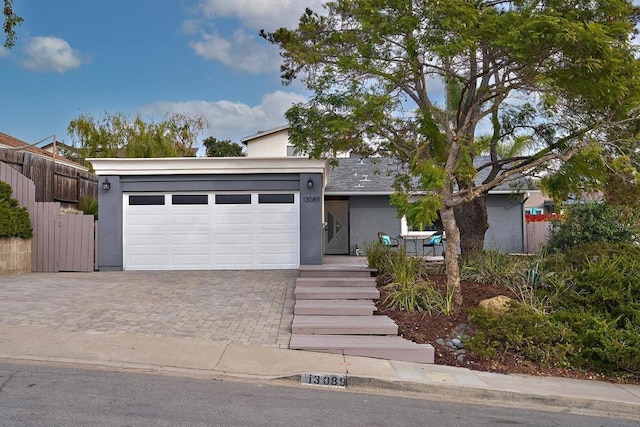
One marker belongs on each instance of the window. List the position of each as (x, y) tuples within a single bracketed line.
[(233, 199), (275, 198), (148, 200), (189, 199)]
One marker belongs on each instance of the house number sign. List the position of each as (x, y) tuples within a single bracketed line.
[(328, 380), (315, 199)]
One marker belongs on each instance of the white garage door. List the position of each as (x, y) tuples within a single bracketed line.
[(209, 231)]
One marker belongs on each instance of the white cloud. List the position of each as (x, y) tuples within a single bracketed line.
[(230, 120), (52, 54), (3, 51), (241, 52), (258, 14)]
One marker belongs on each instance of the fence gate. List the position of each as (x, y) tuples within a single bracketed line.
[(61, 242)]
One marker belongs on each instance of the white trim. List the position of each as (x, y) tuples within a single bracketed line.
[(263, 133), (209, 166)]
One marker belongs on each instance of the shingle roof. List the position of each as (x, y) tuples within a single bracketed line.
[(375, 176), (11, 142)]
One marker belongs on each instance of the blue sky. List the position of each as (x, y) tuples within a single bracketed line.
[(153, 57)]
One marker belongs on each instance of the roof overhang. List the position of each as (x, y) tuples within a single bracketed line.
[(209, 166)]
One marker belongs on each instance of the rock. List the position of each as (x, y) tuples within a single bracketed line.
[(456, 342), (496, 305), (460, 358), (440, 341)]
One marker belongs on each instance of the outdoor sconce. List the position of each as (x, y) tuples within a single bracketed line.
[(106, 185), (309, 183)]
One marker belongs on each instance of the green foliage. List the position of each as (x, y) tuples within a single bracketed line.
[(10, 22), (14, 220), (589, 222), (222, 148), (521, 331), (89, 205), (116, 135), (491, 267), (592, 317), (407, 287), (376, 254)]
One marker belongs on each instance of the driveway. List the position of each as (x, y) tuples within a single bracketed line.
[(247, 307)]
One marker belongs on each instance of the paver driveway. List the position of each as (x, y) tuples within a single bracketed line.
[(248, 307)]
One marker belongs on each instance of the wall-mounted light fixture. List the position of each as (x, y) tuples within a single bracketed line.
[(309, 183), (106, 185)]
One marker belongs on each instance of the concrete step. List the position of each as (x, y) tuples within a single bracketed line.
[(330, 293), (334, 307), (336, 281), (344, 325), (334, 271), (382, 347)]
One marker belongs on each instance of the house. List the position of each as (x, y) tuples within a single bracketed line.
[(259, 212)]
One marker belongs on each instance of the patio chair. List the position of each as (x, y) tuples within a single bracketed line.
[(435, 240), (387, 240)]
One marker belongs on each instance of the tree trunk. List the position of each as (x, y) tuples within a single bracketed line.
[(452, 236), (472, 221)]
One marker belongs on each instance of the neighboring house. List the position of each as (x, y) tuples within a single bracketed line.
[(56, 178), (270, 143), (537, 203)]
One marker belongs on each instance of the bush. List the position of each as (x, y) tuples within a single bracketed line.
[(89, 205), (522, 331), (490, 266), (589, 222), (14, 220)]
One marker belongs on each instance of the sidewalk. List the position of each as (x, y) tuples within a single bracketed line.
[(209, 359)]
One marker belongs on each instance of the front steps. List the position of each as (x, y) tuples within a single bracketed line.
[(333, 313)]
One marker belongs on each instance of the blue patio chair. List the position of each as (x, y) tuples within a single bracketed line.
[(387, 240), (435, 240)]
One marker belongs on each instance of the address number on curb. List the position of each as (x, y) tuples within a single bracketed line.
[(328, 380)]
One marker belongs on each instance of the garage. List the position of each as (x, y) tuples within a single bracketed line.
[(210, 213), (200, 231)]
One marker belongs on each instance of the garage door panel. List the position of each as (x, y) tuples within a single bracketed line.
[(212, 236), (147, 219), (190, 220)]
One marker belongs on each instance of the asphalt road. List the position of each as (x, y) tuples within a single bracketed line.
[(33, 395)]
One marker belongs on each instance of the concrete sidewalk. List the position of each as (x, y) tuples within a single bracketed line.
[(209, 359)]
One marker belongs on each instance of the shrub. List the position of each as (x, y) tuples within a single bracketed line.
[(376, 254), (14, 220), (522, 331), (89, 205), (589, 222), (490, 266)]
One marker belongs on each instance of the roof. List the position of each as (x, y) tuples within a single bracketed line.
[(263, 133), (375, 175), (7, 141)]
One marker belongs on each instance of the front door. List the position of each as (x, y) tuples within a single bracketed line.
[(337, 232)]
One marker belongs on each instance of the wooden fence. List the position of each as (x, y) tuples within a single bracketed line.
[(538, 227), (61, 242), (54, 181)]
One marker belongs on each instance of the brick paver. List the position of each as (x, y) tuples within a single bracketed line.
[(248, 307)]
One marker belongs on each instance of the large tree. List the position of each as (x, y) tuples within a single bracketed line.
[(10, 22), (222, 148), (422, 80), (117, 135)]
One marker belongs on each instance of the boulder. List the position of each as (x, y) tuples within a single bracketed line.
[(497, 305)]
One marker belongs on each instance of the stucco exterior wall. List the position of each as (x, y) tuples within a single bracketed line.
[(506, 223), (271, 145), (367, 216)]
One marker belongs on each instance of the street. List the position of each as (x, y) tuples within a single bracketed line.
[(54, 396)]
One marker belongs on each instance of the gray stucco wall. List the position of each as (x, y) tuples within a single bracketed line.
[(110, 239), (367, 216), (506, 218)]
